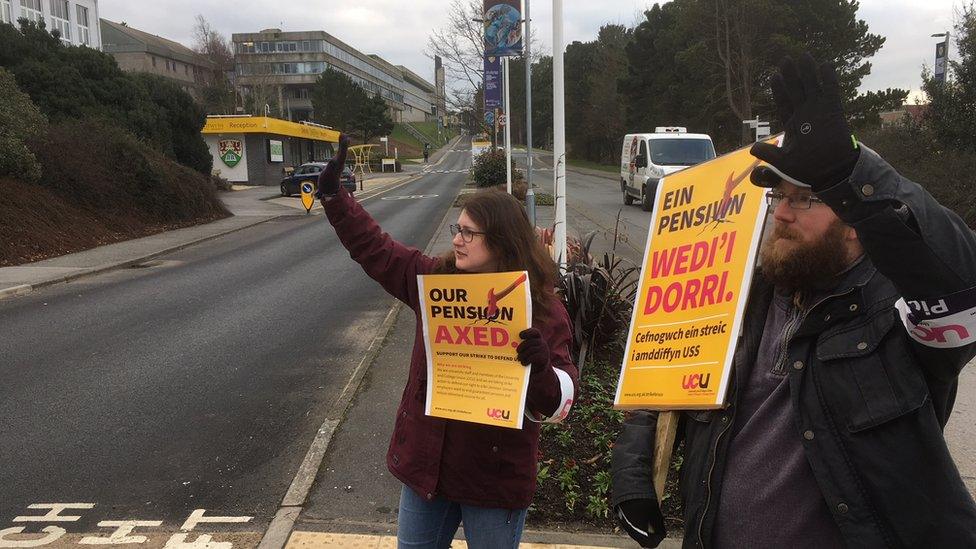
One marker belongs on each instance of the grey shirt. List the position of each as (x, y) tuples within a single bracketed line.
[(769, 496)]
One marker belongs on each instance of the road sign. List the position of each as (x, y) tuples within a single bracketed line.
[(502, 119), (489, 118), (308, 200)]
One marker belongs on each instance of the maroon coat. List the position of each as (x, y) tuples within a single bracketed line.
[(463, 462)]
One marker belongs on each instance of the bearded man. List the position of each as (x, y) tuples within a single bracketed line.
[(859, 321)]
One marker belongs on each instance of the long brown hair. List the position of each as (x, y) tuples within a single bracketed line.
[(513, 242)]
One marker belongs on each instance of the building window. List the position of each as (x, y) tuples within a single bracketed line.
[(32, 10), (61, 18), (84, 37), (186, 70), (5, 16), (154, 61)]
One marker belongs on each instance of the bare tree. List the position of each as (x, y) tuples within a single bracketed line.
[(212, 45), (460, 44), (218, 93)]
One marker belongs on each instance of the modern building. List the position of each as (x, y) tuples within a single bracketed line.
[(418, 97), (138, 51), (284, 65), (75, 20), (256, 150)]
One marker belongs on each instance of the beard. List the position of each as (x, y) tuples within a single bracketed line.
[(807, 265)]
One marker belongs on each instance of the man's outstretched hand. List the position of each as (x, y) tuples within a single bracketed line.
[(818, 150), (329, 178)]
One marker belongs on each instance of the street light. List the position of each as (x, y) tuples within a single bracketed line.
[(943, 75)]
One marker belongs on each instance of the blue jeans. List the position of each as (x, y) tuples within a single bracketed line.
[(432, 524)]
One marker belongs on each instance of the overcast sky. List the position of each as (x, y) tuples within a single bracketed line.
[(397, 30)]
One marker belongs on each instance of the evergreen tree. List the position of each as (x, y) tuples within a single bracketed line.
[(952, 108), (337, 100), (373, 119)]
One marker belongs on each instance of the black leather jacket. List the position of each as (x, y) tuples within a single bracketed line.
[(872, 387)]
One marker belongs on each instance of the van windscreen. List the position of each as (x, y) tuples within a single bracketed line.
[(681, 152)]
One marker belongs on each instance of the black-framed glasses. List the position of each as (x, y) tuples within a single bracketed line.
[(467, 234), (800, 201)]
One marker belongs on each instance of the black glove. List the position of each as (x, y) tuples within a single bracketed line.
[(642, 520), (329, 178), (818, 150), (533, 350)]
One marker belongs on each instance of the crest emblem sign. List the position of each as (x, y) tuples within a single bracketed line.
[(231, 151)]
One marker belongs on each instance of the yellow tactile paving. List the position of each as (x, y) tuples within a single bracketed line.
[(321, 540)]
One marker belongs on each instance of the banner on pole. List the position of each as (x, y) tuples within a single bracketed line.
[(493, 88), (471, 328), (701, 250), (503, 28), (940, 62)]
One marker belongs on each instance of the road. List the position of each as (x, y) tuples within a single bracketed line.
[(197, 381)]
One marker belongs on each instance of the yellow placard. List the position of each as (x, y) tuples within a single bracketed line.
[(701, 249), (471, 329)]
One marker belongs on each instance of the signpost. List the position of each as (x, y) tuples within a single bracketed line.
[(308, 198)]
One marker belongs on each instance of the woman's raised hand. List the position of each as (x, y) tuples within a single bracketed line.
[(329, 178)]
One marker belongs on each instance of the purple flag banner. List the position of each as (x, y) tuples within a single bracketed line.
[(493, 83)]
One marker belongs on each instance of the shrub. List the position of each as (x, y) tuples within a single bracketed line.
[(72, 82), (20, 120), (949, 174), (489, 169), (103, 168)]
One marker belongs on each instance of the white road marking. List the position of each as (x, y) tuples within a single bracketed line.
[(121, 534), (54, 514)]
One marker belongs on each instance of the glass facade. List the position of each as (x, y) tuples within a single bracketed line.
[(84, 36), (60, 13), (32, 10)]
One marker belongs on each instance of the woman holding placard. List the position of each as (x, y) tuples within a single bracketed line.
[(456, 472)]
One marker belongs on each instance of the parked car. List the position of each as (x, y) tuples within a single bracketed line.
[(647, 157), (310, 171)]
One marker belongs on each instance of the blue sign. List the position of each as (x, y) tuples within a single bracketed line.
[(307, 188), (503, 28), (493, 80), (490, 118)]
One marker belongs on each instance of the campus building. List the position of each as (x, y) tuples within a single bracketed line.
[(138, 51), (75, 20), (283, 66)]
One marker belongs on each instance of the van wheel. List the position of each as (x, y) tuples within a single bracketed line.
[(628, 200), (284, 190), (646, 200)]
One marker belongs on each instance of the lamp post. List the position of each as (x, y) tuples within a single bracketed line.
[(942, 76), (529, 193), (559, 135), (508, 129)]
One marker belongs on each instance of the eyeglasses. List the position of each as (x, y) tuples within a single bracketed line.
[(467, 234), (803, 201)]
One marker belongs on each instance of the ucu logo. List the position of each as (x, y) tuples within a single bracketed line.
[(938, 333), (495, 413), (696, 381)]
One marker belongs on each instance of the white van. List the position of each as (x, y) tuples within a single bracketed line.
[(647, 157)]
